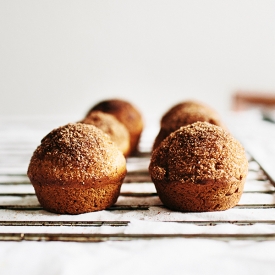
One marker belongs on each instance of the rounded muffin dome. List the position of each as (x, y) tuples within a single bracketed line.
[(199, 167), (127, 114), (111, 126), (77, 169), (183, 114)]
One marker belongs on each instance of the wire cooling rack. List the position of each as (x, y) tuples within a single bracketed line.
[(138, 213)]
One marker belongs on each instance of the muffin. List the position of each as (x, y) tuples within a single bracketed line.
[(183, 114), (127, 114), (198, 168), (111, 126), (77, 169)]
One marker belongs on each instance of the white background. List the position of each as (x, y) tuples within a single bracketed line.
[(62, 57)]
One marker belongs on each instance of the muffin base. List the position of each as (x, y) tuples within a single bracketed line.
[(190, 197), (70, 200)]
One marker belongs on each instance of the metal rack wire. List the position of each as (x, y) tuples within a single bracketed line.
[(22, 218)]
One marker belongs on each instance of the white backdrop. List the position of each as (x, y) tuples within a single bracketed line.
[(62, 57)]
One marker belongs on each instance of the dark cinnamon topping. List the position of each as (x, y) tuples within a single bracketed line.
[(76, 154), (197, 153)]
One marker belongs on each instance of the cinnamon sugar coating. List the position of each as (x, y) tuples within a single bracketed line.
[(111, 126), (127, 114), (199, 167), (73, 167), (183, 114)]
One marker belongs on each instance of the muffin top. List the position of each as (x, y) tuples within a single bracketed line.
[(77, 154), (198, 153), (124, 111), (183, 114), (186, 113)]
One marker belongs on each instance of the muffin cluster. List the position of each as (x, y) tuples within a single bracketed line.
[(79, 167), (196, 164)]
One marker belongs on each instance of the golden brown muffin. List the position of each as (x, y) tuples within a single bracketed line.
[(77, 169), (183, 114), (199, 167), (127, 114), (111, 126)]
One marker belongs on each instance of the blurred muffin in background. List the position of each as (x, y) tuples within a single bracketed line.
[(111, 126), (127, 114), (183, 114)]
